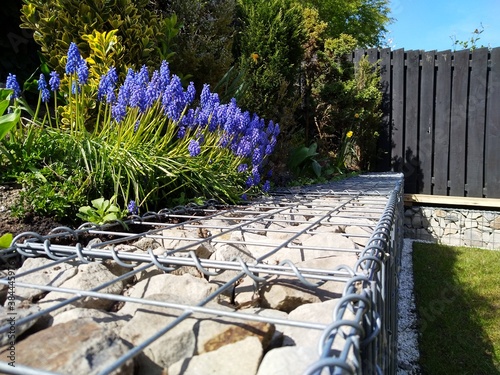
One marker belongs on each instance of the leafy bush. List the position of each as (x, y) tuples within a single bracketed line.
[(151, 141), (341, 98), (203, 46), (269, 46), (56, 24)]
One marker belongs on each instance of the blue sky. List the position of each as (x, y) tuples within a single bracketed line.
[(429, 24)]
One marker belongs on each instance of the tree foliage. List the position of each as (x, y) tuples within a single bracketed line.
[(270, 50), (340, 97), (203, 48), (365, 20)]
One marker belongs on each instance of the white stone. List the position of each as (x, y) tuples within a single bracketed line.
[(105, 319), (358, 235), (187, 240), (88, 277), (490, 215), (316, 313), (228, 360), (325, 244), (451, 228), (451, 239), (192, 290), (288, 360), (54, 276), (494, 240), (471, 223), (176, 344), (472, 237)]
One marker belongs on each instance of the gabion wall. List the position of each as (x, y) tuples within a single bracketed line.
[(455, 227)]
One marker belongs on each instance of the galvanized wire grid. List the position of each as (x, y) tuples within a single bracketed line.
[(369, 285)]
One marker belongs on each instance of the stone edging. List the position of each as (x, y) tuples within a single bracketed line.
[(453, 226)]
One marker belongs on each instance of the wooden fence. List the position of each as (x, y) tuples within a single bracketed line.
[(441, 123)]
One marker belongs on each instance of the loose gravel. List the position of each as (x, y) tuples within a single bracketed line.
[(408, 353)]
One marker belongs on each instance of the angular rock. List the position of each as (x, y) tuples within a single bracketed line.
[(316, 313), (277, 339), (21, 311), (174, 345), (359, 235), (187, 240), (324, 244), (105, 319), (89, 276), (75, 347), (242, 358), (288, 360), (286, 294), (213, 334), (48, 274), (192, 290)]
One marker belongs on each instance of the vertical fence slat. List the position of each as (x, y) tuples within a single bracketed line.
[(442, 123), (426, 121), (412, 170), (398, 71), (458, 123), (492, 139), (476, 121), (385, 141)]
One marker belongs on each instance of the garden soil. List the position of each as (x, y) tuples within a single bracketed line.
[(9, 194)]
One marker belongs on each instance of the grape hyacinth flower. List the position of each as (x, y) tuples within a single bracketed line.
[(107, 86), (194, 148), (82, 70), (242, 168), (54, 81), (132, 208), (73, 59), (266, 187), (119, 110), (173, 99), (42, 87), (13, 85), (164, 76)]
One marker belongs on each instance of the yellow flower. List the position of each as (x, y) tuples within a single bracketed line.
[(254, 56), (356, 115), (349, 134)]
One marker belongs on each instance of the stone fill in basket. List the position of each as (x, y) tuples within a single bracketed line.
[(297, 282)]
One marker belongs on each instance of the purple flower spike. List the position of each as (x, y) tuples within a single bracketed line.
[(266, 187), (194, 148), (13, 85), (54, 81), (82, 70), (132, 208), (73, 59), (42, 87)]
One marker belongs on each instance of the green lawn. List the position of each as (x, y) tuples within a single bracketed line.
[(457, 292)]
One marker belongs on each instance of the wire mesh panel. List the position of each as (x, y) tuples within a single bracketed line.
[(298, 282)]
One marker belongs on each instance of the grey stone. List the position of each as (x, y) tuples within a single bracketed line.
[(176, 344), (192, 290), (48, 274), (89, 276), (21, 311), (105, 319), (75, 347)]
